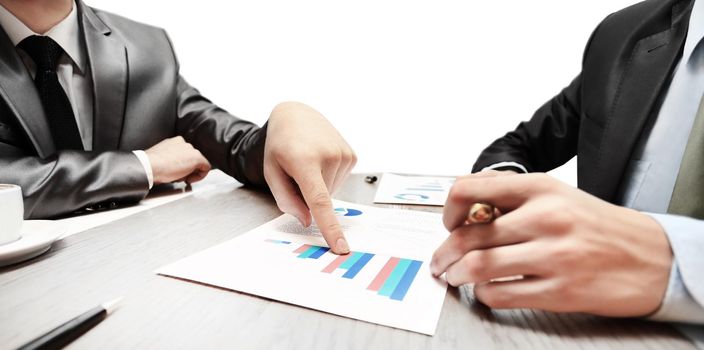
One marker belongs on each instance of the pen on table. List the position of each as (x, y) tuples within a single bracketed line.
[(66, 333)]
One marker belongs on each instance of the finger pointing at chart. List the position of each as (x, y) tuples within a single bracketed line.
[(320, 204), (305, 160)]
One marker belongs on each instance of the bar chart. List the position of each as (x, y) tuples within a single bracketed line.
[(277, 241), (394, 280), (422, 190), (412, 197), (429, 186), (385, 280)]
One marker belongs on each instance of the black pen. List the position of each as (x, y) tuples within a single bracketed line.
[(66, 333)]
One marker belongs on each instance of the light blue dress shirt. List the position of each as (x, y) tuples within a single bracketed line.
[(652, 172), (650, 180)]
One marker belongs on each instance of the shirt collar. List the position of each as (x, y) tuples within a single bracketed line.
[(695, 33), (65, 33)]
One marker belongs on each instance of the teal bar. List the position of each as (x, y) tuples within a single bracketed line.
[(351, 260), (405, 283), (354, 270), (390, 285), (309, 252)]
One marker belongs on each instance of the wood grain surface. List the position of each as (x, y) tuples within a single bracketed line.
[(119, 259)]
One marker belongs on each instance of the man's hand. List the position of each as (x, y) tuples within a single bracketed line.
[(176, 160), (305, 160), (575, 252)]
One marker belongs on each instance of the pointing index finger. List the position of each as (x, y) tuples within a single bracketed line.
[(317, 197)]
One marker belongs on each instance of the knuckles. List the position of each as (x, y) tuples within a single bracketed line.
[(551, 215), (464, 187), (292, 155), (457, 196), (494, 298), (349, 157), (540, 183), (330, 156), (453, 279), (567, 256), (470, 269), (564, 291), (475, 264), (559, 217), (321, 200)]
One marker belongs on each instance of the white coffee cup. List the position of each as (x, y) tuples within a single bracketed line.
[(11, 213)]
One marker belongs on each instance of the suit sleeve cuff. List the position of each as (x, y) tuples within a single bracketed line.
[(679, 303), (507, 166), (251, 158), (147, 165)]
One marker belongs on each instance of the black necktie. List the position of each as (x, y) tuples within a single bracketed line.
[(46, 52)]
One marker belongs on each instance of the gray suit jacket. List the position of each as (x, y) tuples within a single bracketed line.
[(139, 100)]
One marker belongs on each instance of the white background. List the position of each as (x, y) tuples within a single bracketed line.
[(414, 86)]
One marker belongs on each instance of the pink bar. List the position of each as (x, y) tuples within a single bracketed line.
[(336, 263), (383, 274), (302, 248)]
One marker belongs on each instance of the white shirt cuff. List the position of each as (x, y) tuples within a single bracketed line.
[(147, 165), (503, 164), (679, 303)]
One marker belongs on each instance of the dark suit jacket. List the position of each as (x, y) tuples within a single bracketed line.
[(626, 70), (139, 100)]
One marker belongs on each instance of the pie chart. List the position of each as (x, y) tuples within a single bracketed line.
[(347, 212)]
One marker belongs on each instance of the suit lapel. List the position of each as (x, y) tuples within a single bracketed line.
[(107, 57), (18, 90), (645, 81)]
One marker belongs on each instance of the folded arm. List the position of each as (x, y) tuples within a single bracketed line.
[(231, 144), (72, 180)]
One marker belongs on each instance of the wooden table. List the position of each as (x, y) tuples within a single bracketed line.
[(118, 259)]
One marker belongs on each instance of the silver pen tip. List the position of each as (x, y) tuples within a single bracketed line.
[(111, 305)]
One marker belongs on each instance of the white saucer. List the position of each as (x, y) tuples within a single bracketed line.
[(37, 237)]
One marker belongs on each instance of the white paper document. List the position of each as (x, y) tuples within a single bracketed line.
[(410, 189), (385, 279)]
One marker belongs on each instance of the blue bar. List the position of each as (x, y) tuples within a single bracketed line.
[(390, 285), (353, 259), (309, 251), (405, 283), (318, 253), (358, 266)]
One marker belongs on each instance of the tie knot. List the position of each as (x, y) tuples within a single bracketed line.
[(43, 50)]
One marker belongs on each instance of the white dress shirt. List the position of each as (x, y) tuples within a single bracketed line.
[(72, 70)]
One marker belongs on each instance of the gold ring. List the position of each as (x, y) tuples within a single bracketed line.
[(481, 213)]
